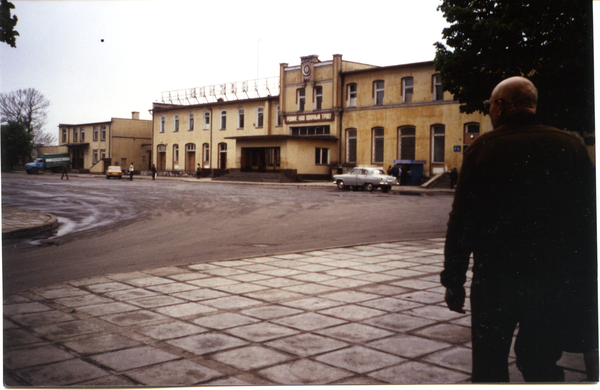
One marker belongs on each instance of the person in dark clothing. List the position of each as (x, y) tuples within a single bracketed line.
[(153, 169), (525, 207), (198, 171), (131, 169), (453, 178), (64, 172), (395, 171)]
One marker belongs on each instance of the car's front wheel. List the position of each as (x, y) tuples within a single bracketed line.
[(341, 185), (369, 187)]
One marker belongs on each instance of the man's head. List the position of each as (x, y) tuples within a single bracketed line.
[(512, 96)]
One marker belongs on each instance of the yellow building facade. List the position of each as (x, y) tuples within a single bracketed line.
[(317, 119), (119, 141)]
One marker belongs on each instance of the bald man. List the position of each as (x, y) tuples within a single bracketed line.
[(525, 208)]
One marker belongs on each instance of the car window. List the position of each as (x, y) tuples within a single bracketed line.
[(379, 172), (355, 171)]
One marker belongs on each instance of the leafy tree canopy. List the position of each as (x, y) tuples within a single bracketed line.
[(547, 41), (16, 144), (7, 24)]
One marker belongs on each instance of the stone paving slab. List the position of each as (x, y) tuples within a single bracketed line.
[(368, 314)]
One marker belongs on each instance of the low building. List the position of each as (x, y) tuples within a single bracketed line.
[(95, 146), (317, 118)]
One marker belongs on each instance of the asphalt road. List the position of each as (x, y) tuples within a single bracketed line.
[(122, 226)]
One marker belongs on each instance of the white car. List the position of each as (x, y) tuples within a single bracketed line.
[(364, 177)]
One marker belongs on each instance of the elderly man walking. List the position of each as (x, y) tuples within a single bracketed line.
[(525, 208)]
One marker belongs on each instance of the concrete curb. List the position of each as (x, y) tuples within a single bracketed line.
[(18, 223)]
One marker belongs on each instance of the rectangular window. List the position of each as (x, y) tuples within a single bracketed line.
[(241, 118), (310, 130), (260, 117), (176, 123), (407, 143), (206, 120), (351, 146), (95, 133), (352, 93), (74, 135), (223, 120), (318, 97), (321, 156), (438, 94), (64, 136), (279, 117), (407, 90), (438, 143), (205, 153), (378, 146), (175, 153), (300, 99), (82, 134), (378, 93), (162, 124), (95, 156), (103, 134), (102, 154), (191, 122)]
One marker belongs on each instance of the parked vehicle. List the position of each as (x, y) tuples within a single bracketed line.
[(50, 161), (364, 177), (114, 171)]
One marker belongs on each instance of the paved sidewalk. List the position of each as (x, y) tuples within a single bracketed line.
[(20, 223), (370, 314)]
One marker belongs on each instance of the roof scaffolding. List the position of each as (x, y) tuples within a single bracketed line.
[(249, 89)]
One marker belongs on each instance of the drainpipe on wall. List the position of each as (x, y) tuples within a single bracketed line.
[(210, 144), (152, 154)]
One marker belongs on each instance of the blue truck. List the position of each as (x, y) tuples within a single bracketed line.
[(49, 161)]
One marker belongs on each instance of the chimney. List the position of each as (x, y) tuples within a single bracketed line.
[(135, 115)]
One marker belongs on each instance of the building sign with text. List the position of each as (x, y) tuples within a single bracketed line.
[(303, 118)]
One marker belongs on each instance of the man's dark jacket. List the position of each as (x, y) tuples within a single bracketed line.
[(525, 207)]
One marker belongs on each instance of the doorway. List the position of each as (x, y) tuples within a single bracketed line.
[(223, 156)]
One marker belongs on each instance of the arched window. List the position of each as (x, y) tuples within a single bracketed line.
[(378, 138), (438, 144)]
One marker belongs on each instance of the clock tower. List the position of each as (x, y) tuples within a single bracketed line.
[(307, 66)]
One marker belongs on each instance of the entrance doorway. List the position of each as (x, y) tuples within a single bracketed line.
[(161, 158), (260, 159), (190, 157), (223, 156)]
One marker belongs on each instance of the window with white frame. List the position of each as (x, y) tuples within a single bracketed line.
[(95, 133), (64, 136), (240, 118), (407, 142), (321, 156), (351, 145), (190, 147), (205, 153), (176, 123), (82, 134), (95, 160), (260, 116), (378, 89), (206, 120), (378, 138), (472, 129), (223, 120), (102, 154), (175, 153), (278, 117), (438, 143), (103, 134), (407, 90), (162, 124), (318, 97), (436, 85), (300, 99), (352, 93), (191, 122)]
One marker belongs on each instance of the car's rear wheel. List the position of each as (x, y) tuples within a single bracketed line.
[(369, 187), (341, 185)]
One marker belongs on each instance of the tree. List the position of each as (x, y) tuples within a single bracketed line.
[(16, 144), (28, 107), (549, 42), (7, 24)]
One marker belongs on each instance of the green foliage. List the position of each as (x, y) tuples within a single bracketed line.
[(7, 24), (547, 41), (16, 143)]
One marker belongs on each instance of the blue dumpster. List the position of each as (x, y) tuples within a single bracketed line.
[(412, 171)]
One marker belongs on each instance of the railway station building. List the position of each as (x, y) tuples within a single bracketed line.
[(315, 119)]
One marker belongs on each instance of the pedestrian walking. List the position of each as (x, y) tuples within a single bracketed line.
[(198, 171), (64, 172), (131, 169), (525, 207), (153, 169)]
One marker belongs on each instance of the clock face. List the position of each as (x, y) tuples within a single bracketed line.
[(306, 70)]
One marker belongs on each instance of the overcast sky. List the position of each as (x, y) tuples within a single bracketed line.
[(155, 46)]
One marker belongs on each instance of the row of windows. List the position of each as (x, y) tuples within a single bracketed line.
[(260, 115), (406, 143), (80, 134), (190, 148)]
